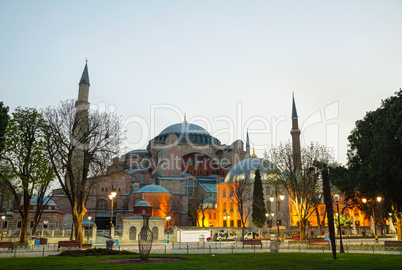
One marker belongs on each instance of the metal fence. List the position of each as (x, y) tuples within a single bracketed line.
[(210, 248)]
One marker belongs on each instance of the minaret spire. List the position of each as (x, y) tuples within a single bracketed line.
[(83, 90), (254, 155), (295, 132), (185, 120)]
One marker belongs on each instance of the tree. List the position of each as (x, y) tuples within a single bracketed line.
[(25, 160), (199, 196), (81, 145), (41, 202), (4, 118), (345, 222), (241, 198), (375, 157), (302, 180), (258, 216)]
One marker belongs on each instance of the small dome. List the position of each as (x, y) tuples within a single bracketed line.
[(152, 189), (46, 201), (245, 169), (143, 203), (210, 200)]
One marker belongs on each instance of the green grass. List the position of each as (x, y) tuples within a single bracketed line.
[(218, 261)]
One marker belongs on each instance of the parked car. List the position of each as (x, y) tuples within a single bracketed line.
[(250, 236), (223, 237)]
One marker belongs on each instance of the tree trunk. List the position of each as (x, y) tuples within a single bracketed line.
[(399, 227), (319, 224), (303, 228), (24, 229)]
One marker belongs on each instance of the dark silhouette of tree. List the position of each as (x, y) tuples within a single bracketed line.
[(258, 216), (375, 157)]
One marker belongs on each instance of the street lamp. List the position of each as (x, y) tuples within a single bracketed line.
[(226, 217), (89, 224), (272, 199), (111, 197), (336, 197), (379, 199), (2, 222), (167, 227)]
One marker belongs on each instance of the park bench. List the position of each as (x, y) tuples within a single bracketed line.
[(86, 245), (252, 242), (318, 242), (69, 244), (8, 245), (393, 243)]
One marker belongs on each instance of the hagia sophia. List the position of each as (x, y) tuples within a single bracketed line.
[(179, 167)]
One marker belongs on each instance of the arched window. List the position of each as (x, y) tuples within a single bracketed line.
[(101, 204), (133, 233), (151, 181), (224, 193), (142, 179), (155, 232), (190, 187), (224, 207), (231, 193), (231, 207)]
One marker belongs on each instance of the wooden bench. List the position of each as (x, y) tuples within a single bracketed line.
[(297, 242), (8, 245), (393, 243), (86, 245), (252, 242), (318, 242), (69, 244)]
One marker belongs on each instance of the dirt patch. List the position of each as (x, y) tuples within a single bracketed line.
[(138, 261)]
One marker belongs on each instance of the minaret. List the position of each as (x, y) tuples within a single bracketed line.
[(83, 90), (247, 146), (80, 127), (254, 155), (295, 132)]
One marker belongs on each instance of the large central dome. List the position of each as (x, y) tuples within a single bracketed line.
[(187, 132), (184, 128)]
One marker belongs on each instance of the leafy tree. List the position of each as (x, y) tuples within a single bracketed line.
[(81, 145), (258, 209), (25, 160), (345, 222), (375, 157), (302, 180)]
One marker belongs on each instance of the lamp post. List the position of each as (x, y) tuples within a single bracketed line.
[(379, 199), (276, 199), (2, 224), (336, 197), (167, 227), (89, 224), (226, 217), (111, 197)]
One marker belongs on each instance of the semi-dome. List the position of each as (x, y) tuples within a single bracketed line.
[(152, 189), (187, 132), (245, 169)]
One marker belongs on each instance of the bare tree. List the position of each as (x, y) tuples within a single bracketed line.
[(302, 181), (81, 144), (242, 198), (199, 196), (41, 202)]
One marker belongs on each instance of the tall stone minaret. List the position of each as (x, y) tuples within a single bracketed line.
[(247, 146), (295, 132), (80, 127)]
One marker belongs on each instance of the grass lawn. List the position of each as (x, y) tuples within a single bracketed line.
[(218, 261)]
